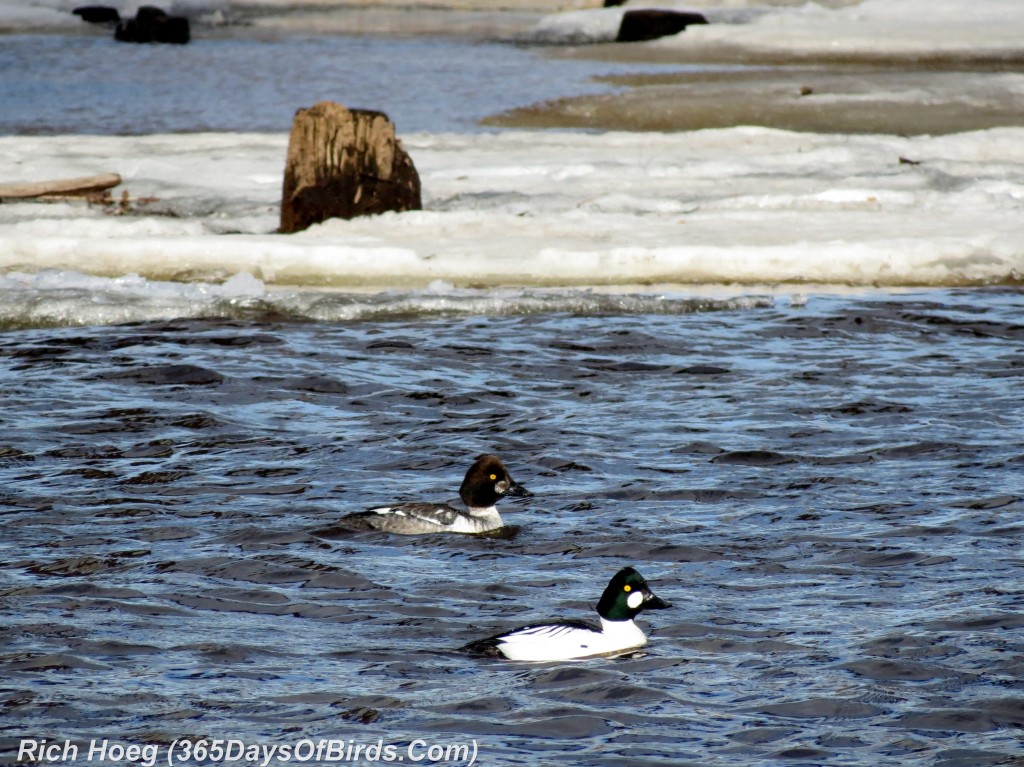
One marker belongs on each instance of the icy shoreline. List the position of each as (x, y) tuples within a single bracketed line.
[(739, 205), (731, 205), (916, 66)]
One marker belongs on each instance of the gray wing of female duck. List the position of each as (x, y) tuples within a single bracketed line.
[(410, 519), (486, 481)]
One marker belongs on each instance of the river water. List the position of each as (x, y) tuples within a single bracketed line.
[(56, 84), (828, 488)]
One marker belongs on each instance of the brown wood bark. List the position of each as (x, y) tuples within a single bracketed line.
[(344, 163)]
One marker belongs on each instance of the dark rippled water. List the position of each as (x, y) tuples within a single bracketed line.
[(830, 495)]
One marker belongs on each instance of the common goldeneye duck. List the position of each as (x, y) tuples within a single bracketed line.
[(486, 481), (626, 596)]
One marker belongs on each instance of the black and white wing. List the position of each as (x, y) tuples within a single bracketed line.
[(404, 518), (573, 633)]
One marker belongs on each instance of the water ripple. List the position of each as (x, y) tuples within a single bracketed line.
[(828, 494)]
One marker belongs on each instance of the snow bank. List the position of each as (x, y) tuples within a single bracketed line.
[(742, 205), (873, 28)]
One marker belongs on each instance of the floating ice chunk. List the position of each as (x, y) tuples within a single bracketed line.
[(62, 297), (242, 285), (575, 27), (439, 287)]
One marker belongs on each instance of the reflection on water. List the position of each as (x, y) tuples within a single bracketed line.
[(830, 495)]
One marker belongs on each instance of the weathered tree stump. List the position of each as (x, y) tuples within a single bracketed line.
[(344, 163)]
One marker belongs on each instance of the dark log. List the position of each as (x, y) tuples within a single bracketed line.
[(98, 14), (344, 163), (153, 25), (650, 24)]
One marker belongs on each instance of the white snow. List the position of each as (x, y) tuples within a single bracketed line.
[(873, 27), (572, 27), (747, 205), (903, 27), (743, 205)]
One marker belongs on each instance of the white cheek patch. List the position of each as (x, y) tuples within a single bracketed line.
[(634, 600), (500, 487)]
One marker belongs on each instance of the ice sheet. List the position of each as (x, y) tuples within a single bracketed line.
[(741, 205), (870, 29)]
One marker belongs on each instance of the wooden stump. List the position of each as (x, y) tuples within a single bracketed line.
[(344, 163)]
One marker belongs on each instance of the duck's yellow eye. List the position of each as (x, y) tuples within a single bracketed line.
[(627, 588), (494, 476)]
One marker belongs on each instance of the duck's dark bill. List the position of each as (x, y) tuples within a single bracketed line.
[(518, 491), (655, 603)]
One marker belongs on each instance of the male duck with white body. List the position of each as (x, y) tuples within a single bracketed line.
[(626, 596)]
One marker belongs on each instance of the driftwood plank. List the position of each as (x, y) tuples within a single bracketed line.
[(66, 186)]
